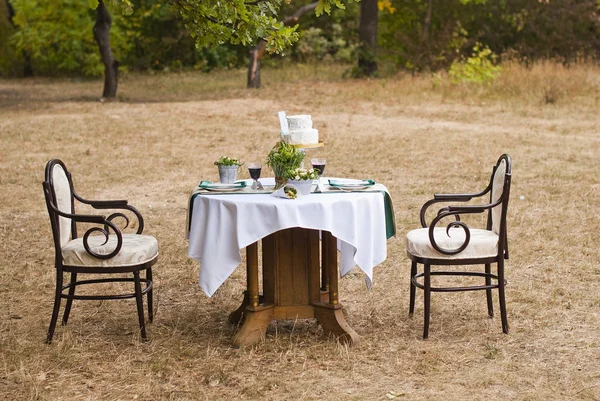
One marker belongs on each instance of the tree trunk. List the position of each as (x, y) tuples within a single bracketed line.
[(11, 12), (258, 52), (102, 36), (427, 22), (256, 55), (11, 62), (367, 32)]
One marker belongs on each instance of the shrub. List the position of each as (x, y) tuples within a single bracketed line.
[(316, 44), (479, 68)]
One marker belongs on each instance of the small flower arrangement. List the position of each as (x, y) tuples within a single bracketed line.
[(228, 161), (290, 192), (302, 174)]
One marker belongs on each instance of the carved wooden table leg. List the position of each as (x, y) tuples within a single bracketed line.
[(237, 316), (290, 265), (256, 317), (293, 286), (330, 315), (324, 272)]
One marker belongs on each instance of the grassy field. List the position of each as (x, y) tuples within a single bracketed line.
[(417, 135)]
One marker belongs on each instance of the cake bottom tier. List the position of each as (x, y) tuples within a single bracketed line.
[(303, 137)]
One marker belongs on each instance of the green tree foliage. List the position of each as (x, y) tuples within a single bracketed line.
[(332, 37), (56, 36), (564, 30), (159, 41), (315, 44), (168, 34), (10, 63), (239, 22)]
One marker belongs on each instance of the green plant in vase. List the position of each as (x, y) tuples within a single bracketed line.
[(228, 167), (282, 158), (228, 161)]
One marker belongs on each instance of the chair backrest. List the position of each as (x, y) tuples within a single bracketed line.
[(500, 183), (59, 193)]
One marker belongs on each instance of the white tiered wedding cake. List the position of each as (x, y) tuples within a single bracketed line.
[(301, 131)]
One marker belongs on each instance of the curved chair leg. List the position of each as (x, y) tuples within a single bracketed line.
[(149, 294), (488, 292), (413, 272), (140, 304), (502, 296), (58, 292), (65, 318), (427, 291)]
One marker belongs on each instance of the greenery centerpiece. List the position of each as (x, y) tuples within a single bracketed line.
[(228, 167), (283, 158)]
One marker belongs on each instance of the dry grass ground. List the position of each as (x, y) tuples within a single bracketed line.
[(418, 135)]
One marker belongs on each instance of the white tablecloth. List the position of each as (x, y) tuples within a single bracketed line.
[(222, 225)]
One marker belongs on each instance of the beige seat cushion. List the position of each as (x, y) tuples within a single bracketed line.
[(483, 243), (136, 249)]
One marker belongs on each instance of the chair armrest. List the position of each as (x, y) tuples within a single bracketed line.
[(472, 209), (100, 204), (96, 219), (105, 204), (457, 211), (114, 204), (81, 218), (433, 201), (461, 197), (453, 197), (439, 198)]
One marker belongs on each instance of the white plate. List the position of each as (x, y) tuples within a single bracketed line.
[(348, 188), (221, 185), (346, 184), (349, 183), (223, 189)]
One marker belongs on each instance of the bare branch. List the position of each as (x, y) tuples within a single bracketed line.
[(293, 19)]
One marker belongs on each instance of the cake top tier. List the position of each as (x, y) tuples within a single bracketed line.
[(299, 122)]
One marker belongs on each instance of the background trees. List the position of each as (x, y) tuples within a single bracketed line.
[(367, 32), (564, 30), (55, 36), (50, 29), (10, 63)]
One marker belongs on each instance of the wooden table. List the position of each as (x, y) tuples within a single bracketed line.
[(300, 281), (299, 272)]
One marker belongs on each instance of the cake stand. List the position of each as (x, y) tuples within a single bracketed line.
[(309, 146)]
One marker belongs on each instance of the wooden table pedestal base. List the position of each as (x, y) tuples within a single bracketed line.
[(297, 284)]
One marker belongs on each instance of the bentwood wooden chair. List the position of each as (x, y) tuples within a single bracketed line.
[(457, 244), (108, 254)]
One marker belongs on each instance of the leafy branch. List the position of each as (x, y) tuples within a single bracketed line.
[(214, 22)]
